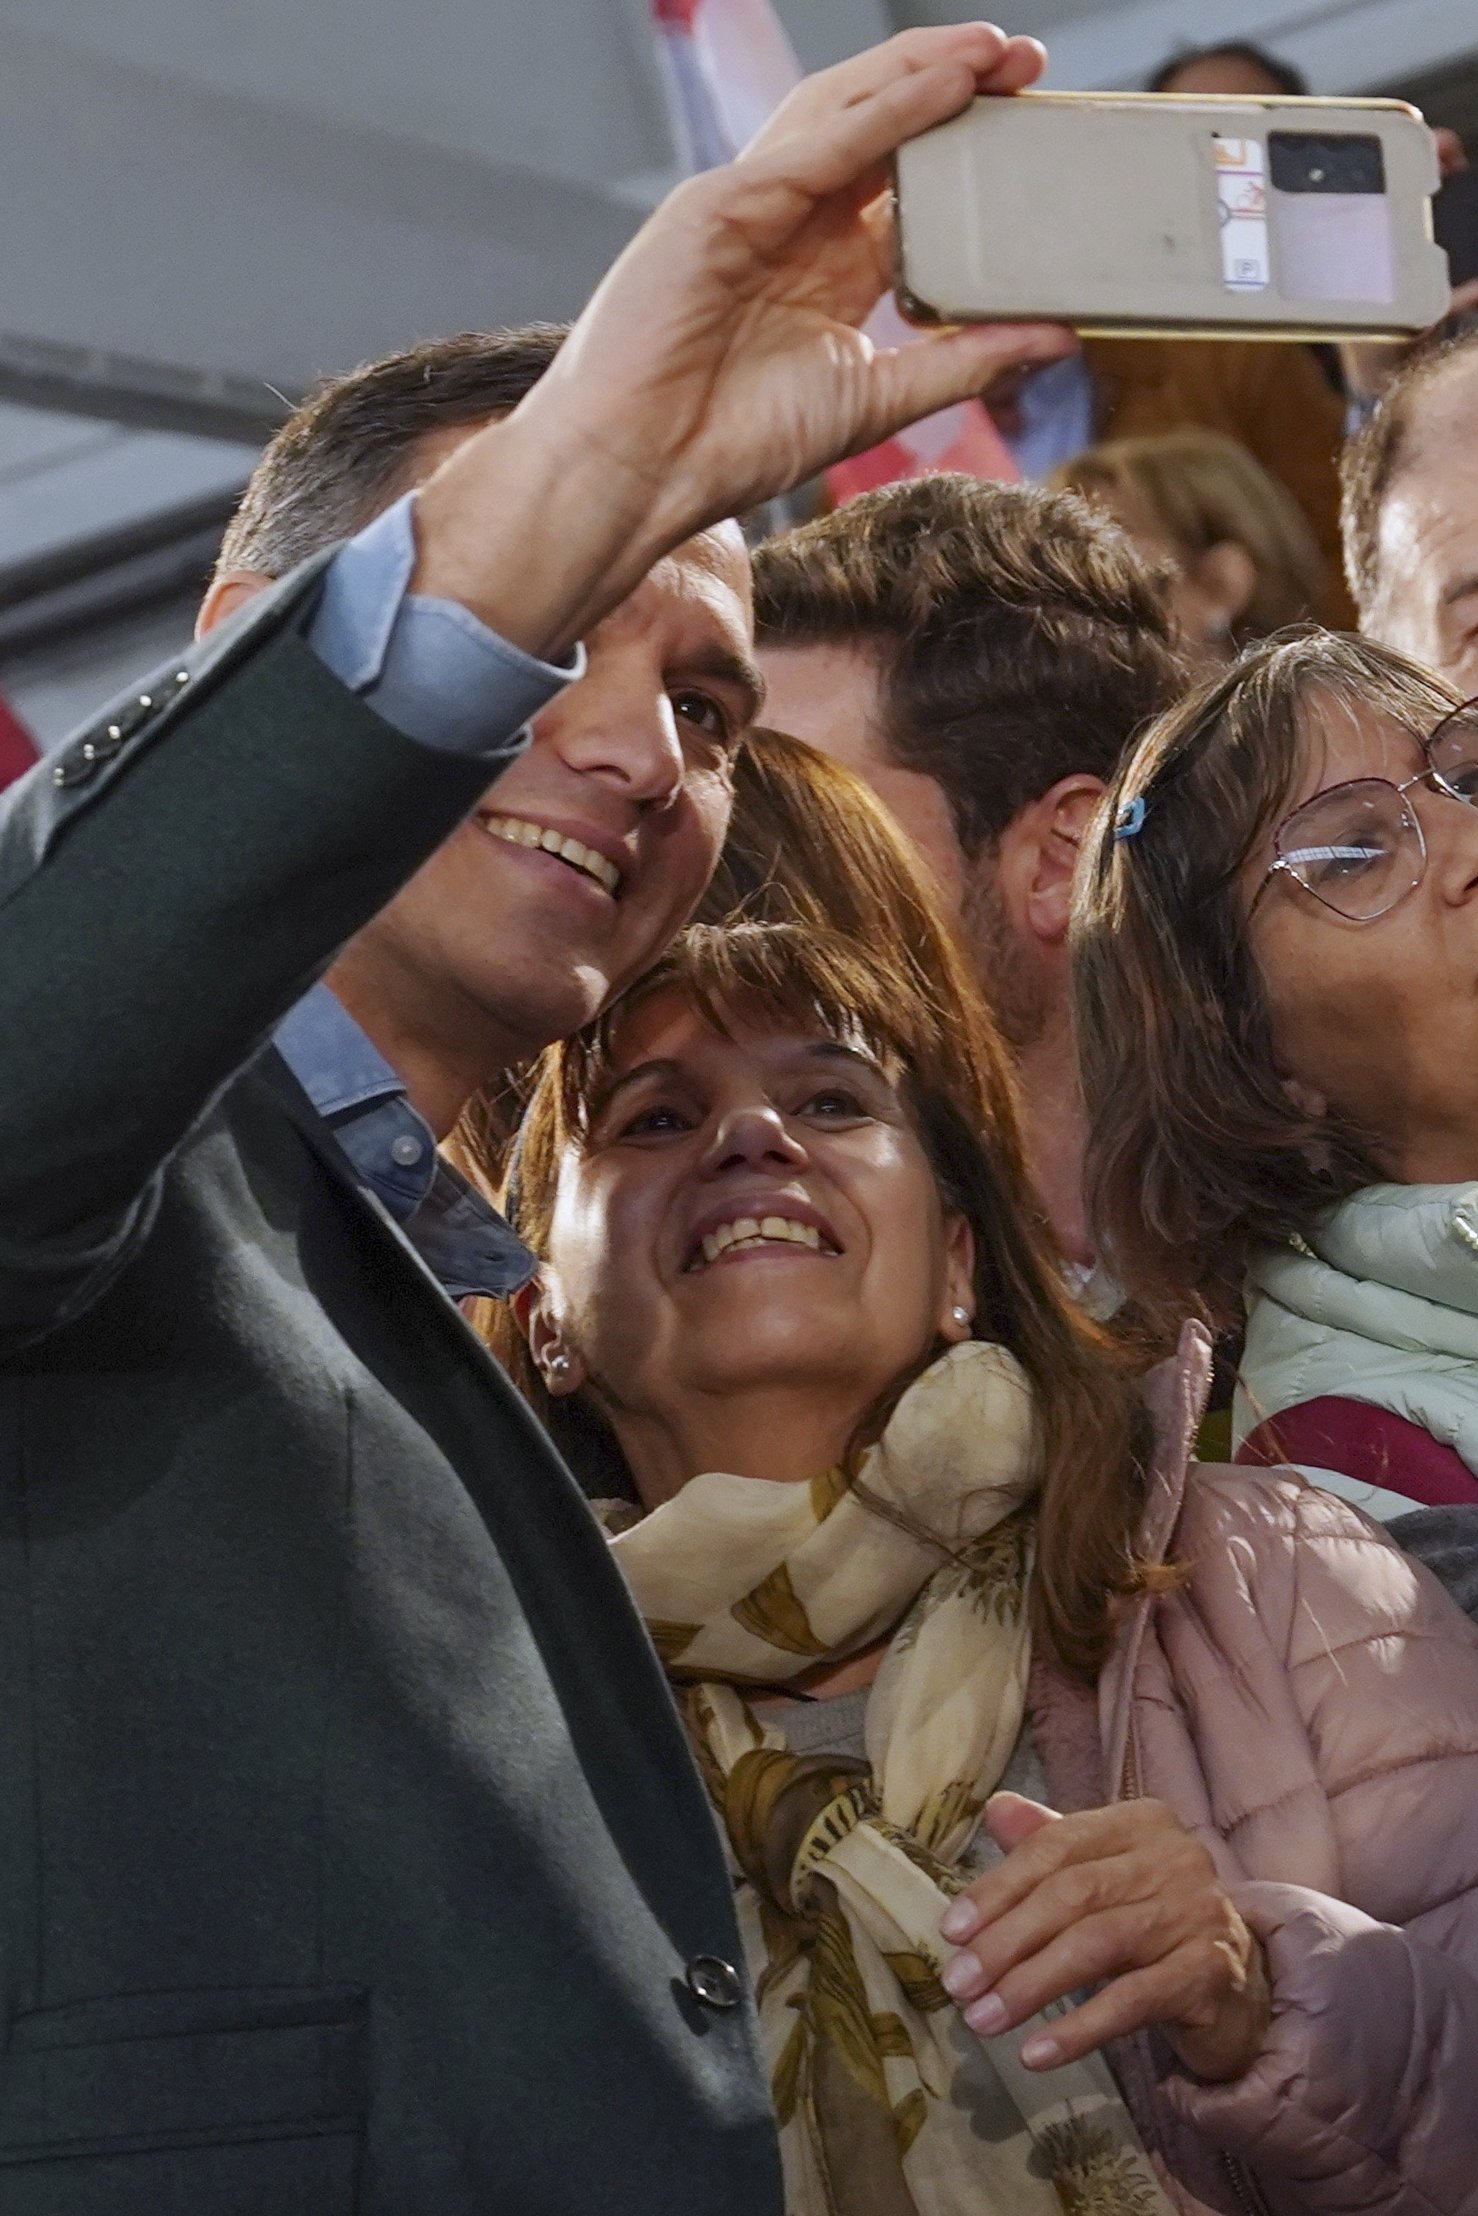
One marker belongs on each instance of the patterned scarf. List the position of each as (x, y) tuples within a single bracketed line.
[(887, 2105)]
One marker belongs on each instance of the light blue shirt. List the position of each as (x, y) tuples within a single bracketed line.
[(427, 666), (444, 679), (1056, 403), (460, 1238)]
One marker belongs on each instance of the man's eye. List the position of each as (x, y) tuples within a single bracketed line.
[(706, 714)]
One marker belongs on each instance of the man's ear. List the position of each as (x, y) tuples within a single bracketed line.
[(1226, 578), (1058, 821), (229, 590), (560, 1368)]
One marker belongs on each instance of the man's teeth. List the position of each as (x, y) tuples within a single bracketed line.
[(519, 833), (751, 1231)]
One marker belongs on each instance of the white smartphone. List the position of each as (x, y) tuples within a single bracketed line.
[(1157, 214)]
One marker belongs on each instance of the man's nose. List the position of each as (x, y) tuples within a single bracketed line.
[(616, 726), (752, 1135)]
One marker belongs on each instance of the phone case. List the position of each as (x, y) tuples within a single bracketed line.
[(1162, 215)]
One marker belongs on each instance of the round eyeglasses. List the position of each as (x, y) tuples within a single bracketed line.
[(1358, 847)]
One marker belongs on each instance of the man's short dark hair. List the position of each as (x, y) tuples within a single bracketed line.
[(1284, 75), (1374, 458), (349, 449), (1020, 639)]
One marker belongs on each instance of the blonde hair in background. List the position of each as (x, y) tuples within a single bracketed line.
[(1203, 490)]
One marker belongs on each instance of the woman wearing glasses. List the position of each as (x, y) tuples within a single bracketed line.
[(1277, 980)]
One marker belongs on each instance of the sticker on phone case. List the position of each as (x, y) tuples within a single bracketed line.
[(1242, 212)]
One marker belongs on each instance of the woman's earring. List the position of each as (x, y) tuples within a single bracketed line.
[(960, 1317), (557, 1369)]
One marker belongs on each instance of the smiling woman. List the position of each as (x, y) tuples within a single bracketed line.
[(887, 1518), (1276, 971), (791, 1269)]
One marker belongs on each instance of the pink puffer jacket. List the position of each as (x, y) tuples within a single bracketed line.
[(1307, 1703)]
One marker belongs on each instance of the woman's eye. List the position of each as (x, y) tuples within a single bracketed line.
[(1337, 856), (656, 1122), (834, 1103)]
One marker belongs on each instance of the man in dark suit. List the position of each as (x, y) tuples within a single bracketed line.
[(350, 1858)]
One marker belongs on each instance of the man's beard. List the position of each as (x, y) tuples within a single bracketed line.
[(1006, 975)]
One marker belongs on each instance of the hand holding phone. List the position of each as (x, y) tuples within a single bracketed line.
[(1156, 214)]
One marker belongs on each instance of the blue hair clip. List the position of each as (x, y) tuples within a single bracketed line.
[(1129, 821)]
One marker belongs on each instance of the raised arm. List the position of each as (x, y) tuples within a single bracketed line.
[(166, 902)]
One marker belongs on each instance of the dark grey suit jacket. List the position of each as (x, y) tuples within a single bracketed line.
[(350, 1854)]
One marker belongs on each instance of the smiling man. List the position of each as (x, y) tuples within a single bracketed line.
[(591, 848)]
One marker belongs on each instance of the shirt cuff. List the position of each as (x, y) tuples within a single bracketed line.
[(426, 666)]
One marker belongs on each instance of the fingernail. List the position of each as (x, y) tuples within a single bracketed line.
[(988, 2015), (1039, 2052), (961, 1976), (960, 1921)]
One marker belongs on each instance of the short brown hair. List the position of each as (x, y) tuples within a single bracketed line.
[(1196, 1152), (1202, 489), (1020, 638), (349, 450), (1379, 450)]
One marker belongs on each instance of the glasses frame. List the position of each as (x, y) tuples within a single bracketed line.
[(1428, 774)]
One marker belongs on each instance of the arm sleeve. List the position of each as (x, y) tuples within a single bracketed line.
[(1362, 2098), (426, 666), (170, 884)]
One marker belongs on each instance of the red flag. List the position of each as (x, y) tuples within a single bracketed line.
[(18, 750), (727, 65)]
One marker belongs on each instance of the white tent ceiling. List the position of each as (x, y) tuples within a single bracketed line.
[(208, 202)]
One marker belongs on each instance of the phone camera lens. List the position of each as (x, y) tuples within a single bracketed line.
[(1327, 161)]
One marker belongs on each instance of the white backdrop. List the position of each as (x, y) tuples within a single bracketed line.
[(207, 202), (207, 198)]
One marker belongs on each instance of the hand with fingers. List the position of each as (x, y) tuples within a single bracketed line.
[(722, 359), (1121, 1899)]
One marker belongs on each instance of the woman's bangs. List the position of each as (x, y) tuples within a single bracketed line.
[(756, 977)]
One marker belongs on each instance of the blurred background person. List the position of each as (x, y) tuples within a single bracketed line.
[(1229, 66), (1411, 511), (1243, 561), (1276, 401), (981, 654)]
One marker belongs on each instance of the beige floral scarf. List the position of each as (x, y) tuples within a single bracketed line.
[(888, 2106)]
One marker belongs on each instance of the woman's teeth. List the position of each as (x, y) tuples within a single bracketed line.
[(519, 833), (753, 1231)]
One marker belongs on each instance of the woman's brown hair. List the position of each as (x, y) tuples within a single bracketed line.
[(1196, 1151), (913, 1003), (809, 842)]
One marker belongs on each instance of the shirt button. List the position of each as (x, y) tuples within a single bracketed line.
[(406, 1151), (714, 1982)]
